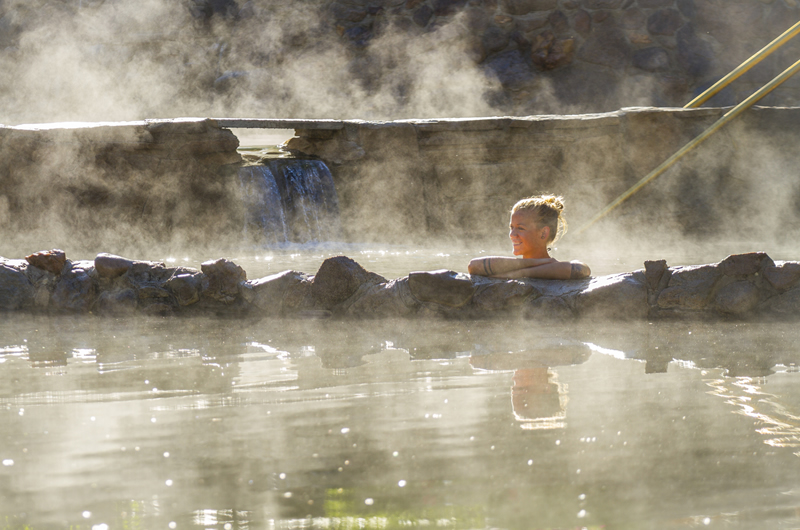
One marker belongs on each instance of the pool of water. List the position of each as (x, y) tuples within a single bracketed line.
[(209, 423)]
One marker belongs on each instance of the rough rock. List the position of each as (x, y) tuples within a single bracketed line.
[(582, 22), (601, 4), (223, 279), (606, 47), (745, 264), (689, 288), (444, 287), (786, 304), (783, 275), (74, 291), (620, 296), (185, 287), (51, 261), (553, 308), (664, 22), (503, 295), (633, 19), (385, 300), (695, 55), (111, 266), (523, 7), (737, 298), (338, 279), (268, 293), (16, 292), (115, 303), (547, 52), (649, 4), (652, 59)]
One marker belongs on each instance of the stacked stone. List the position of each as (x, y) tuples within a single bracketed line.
[(586, 48), (743, 286)]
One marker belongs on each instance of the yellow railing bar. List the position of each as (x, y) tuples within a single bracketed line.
[(730, 115), (744, 67)]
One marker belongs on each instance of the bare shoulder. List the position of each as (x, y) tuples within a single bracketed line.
[(579, 270)]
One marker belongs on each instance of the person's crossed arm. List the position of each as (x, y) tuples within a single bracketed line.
[(514, 268)]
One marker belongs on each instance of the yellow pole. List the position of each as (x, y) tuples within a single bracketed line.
[(744, 67), (730, 115)]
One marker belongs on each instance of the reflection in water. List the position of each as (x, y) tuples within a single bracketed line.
[(781, 426), (201, 423)]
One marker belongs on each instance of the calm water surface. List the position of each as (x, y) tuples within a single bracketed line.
[(208, 423)]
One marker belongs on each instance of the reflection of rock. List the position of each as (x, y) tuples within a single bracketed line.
[(741, 286)]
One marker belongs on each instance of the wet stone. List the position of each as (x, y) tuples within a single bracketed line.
[(268, 293), (648, 4), (442, 287), (783, 276), (122, 302), (74, 292), (52, 261), (653, 271), (338, 279), (502, 295), (111, 266), (745, 264), (223, 279), (689, 288), (547, 308), (620, 296), (16, 291), (737, 298), (185, 287), (149, 291), (385, 300), (786, 304)]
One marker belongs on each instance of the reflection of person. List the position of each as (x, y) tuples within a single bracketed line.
[(536, 223)]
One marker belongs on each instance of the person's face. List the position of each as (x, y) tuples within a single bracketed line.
[(527, 239)]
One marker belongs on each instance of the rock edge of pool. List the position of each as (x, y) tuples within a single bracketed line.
[(742, 286)]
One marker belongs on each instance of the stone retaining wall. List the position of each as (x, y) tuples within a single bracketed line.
[(744, 286), (133, 184), (171, 184), (408, 180)]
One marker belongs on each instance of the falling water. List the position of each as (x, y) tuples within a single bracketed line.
[(289, 201)]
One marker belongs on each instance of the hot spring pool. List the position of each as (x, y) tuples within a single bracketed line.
[(204, 423)]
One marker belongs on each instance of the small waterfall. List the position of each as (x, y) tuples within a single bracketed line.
[(289, 201)]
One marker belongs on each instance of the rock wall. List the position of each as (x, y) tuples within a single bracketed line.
[(379, 59), (744, 286), (611, 53), (409, 180), (133, 184)]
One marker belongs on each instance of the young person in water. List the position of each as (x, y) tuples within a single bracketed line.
[(536, 223)]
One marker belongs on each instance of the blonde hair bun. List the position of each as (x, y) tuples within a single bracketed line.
[(546, 211)]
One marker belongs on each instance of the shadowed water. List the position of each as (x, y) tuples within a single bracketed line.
[(196, 423)]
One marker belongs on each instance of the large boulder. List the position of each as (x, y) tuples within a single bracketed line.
[(619, 296), (443, 287), (689, 288), (268, 294), (75, 290), (51, 261), (16, 292), (224, 277), (338, 279)]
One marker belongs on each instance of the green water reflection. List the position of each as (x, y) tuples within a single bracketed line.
[(203, 423)]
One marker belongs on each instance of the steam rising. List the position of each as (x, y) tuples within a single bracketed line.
[(116, 60)]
